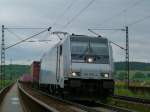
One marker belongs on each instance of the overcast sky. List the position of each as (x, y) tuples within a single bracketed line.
[(64, 15)]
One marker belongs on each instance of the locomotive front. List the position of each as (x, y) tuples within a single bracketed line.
[(91, 66)]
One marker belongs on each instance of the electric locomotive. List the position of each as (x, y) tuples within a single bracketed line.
[(80, 66)]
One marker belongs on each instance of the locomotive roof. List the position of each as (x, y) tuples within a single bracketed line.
[(88, 38)]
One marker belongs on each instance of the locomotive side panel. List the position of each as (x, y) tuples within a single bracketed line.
[(66, 57), (49, 67), (111, 60)]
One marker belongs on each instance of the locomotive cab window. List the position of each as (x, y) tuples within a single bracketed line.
[(96, 48)]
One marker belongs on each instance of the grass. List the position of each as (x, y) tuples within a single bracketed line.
[(131, 106), (4, 83), (121, 89), (133, 72)]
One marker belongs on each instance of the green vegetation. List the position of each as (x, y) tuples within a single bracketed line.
[(121, 89), (12, 73), (133, 66), (139, 73), (129, 105), (137, 78), (4, 83), (120, 75)]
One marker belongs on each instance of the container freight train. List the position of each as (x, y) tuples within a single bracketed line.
[(79, 66), (35, 70)]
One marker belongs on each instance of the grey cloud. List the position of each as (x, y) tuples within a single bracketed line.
[(43, 13)]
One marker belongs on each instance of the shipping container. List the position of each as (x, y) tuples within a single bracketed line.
[(26, 78), (35, 70)]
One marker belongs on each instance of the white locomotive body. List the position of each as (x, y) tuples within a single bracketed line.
[(79, 64)]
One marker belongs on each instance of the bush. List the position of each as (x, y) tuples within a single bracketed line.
[(138, 76), (121, 76)]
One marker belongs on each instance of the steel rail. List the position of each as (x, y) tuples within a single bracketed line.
[(87, 108), (83, 107), (115, 108), (132, 99)]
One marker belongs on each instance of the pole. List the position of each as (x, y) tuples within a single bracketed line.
[(127, 56), (3, 57), (10, 70)]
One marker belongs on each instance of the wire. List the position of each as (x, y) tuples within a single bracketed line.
[(38, 41), (121, 29), (63, 14), (18, 37), (138, 21), (91, 30), (118, 45), (124, 10), (28, 38), (14, 34), (23, 28), (78, 14)]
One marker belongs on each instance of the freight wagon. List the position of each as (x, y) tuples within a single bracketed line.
[(35, 70)]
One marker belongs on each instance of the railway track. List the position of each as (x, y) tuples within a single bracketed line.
[(47, 103), (140, 105), (103, 106), (90, 106), (61, 105), (132, 99)]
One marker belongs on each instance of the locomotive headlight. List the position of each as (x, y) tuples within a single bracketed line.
[(106, 75), (90, 60), (74, 74)]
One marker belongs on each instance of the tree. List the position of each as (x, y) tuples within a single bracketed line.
[(138, 75), (121, 76), (147, 68), (148, 75)]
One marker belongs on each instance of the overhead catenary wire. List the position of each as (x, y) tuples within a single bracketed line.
[(117, 45), (108, 29), (13, 33), (116, 15), (121, 12), (91, 30), (25, 28), (20, 38), (139, 20), (78, 14), (130, 24), (28, 38), (38, 41), (64, 12)]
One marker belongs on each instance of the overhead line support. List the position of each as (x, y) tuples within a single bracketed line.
[(127, 56), (24, 40), (2, 74)]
